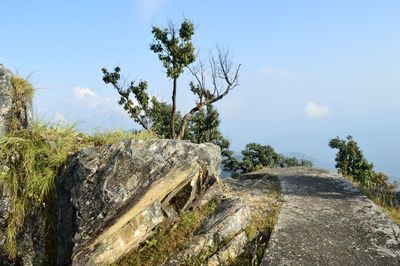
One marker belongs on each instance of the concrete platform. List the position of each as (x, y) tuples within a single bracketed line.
[(326, 221)]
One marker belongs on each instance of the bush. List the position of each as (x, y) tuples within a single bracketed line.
[(257, 156), (350, 160)]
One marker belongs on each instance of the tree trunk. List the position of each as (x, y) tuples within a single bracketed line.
[(173, 133)]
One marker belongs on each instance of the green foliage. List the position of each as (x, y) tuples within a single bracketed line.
[(175, 50), (138, 111), (293, 162), (351, 163), (30, 161), (204, 127), (22, 93), (160, 117), (350, 160), (257, 156), (155, 115), (174, 47)]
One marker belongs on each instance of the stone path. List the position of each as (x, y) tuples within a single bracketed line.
[(325, 221)]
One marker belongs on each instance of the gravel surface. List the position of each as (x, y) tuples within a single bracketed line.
[(326, 221)]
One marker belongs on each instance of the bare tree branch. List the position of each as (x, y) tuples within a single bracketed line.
[(223, 76)]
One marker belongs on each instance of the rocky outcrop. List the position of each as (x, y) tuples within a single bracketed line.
[(7, 117), (231, 217), (4, 213), (8, 104), (225, 235), (108, 199)]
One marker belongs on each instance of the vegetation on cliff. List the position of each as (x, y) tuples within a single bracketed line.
[(351, 163), (30, 160)]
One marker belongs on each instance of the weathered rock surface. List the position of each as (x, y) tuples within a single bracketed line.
[(109, 199), (326, 221), (4, 213), (6, 103), (228, 221), (221, 237), (230, 251)]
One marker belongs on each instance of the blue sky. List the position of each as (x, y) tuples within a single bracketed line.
[(311, 70)]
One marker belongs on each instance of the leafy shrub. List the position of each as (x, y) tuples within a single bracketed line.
[(257, 156), (350, 160)]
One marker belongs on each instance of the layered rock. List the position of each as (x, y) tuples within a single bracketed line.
[(8, 102), (108, 199), (229, 220)]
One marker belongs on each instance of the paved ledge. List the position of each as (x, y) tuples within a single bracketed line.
[(326, 221)]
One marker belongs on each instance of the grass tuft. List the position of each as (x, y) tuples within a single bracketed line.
[(30, 160), (23, 88)]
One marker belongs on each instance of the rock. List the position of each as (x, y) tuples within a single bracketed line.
[(7, 110), (229, 220), (108, 199), (5, 207), (233, 249)]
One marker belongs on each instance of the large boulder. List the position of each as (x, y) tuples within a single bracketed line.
[(108, 199), (8, 104)]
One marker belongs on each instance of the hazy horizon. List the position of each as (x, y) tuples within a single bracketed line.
[(311, 70)]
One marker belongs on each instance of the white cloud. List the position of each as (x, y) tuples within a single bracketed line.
[(82, 93), (314, 110), (87, 96)]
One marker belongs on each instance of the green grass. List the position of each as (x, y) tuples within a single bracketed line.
[(169, 239), (30, 160)]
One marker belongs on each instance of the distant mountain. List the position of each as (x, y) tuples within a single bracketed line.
[(316, 163)]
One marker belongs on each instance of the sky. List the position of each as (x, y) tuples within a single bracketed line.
[(311, 70)]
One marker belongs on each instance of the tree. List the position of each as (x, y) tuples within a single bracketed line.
[(176, 51), (204, 127), (350, 160), (213, 82), (139, 111), (257, 156), (293, 162)]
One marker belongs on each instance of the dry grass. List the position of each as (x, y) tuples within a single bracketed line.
[(384, 196)]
